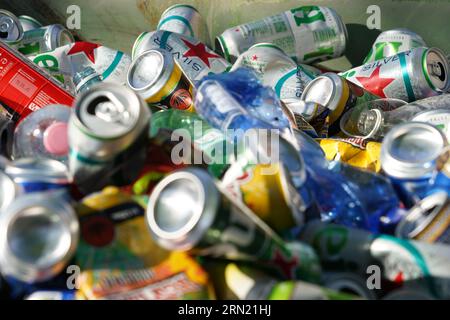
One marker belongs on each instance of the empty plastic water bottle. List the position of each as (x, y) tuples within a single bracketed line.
[(237, 100), (85, 79), (43, 134)]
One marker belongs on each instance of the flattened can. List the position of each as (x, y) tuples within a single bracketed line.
[(26, 87), (38, 237), (11, 29), (43, 39), (35, 175), (412, 155), (306, 34), (336, 94), (159, 80), (408, 76), (210, 222), (184, 19), (29, 23), (428, 220), (107, 120), (194, 57), (392, 42)]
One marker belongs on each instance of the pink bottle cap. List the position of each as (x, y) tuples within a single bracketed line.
[(55, 139)]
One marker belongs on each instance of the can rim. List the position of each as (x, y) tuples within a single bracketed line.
[(425, 69), (30, 19), (187, 236), (433, 203), (336, 87), (179, 6), (160, 80), (17, 24), (136, 43)]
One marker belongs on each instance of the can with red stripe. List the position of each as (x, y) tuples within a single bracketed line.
[(409, 76), (24, 87)]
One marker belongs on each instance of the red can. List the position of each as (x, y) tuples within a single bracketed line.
[(24, 87)]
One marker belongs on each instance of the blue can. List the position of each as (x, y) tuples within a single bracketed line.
[(37, 175), (413, 156)]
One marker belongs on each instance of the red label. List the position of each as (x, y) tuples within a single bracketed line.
[(24, 88)]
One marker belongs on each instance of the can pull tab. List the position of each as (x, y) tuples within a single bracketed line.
[(109, 110), (6, 25), (437, 69)]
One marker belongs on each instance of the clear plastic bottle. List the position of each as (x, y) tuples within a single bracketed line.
[(43, 134), (85, 79)]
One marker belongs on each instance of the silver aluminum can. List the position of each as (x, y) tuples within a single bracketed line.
[(29, 23), (440, 118), (11, 29), (277, 70), (9, 191), (194, 57), (392, 42), (306, 34), (38, 237), (44, 39), (428, 220), (184, 19), (106, 121), (408, 76), (406, 263)]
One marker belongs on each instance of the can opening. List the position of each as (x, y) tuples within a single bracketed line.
[(38, 236)]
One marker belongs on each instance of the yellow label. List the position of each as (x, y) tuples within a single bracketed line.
[(263, 192), (336, 113)]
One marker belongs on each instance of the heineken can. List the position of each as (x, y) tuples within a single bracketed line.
[(413, 156), (186, 20), (392, 42), (428, 220), (38, 237), (210, 222), (10, 27), (107, 121), (337, 95), (440, 118), (306, 34), (401, 263), (9, 191), (277, 70), (36, 175), (409, 76), (159, 80), (65, 62), (194, 57), (29, 23), (43, 39)]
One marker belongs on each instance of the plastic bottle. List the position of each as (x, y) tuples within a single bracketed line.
[(43, 134), (85, 79)]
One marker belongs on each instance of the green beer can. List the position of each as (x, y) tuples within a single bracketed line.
[(306, 34), (188, 210)]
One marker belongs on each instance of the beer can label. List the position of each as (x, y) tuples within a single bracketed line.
[(179, 277), (63, 62), (193, 56)]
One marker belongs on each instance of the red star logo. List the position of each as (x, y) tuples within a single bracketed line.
[(374, 83), (287, 266), (86, 47), (254, 58), (199, 50), (399, 277)]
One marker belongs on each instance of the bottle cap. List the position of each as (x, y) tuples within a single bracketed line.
[(55, 139)]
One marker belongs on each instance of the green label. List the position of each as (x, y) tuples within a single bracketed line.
[(379, 50), (307, 14), (47, 61)]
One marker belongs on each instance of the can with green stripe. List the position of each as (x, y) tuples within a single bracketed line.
[(29, 23), (193, 56), (43, 39), (411, 75), (184, 19), (306, 34), (400, 263), (108, 121)]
